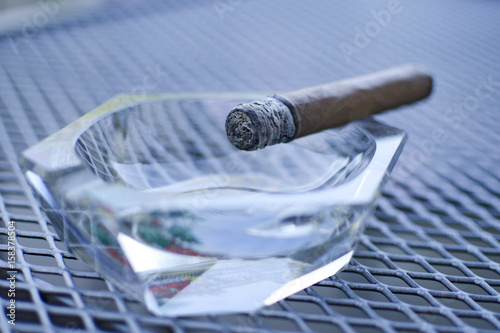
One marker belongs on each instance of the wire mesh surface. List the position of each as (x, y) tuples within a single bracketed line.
[(429, 259)]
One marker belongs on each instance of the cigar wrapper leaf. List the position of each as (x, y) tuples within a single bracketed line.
[(285, 117)]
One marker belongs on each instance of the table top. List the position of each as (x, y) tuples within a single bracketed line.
[(429, 258)]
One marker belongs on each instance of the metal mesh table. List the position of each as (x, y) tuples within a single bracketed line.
[(429, 259)]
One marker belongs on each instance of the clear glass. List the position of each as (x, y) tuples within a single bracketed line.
[(154, 197)]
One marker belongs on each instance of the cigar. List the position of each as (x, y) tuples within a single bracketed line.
[(285, 117)]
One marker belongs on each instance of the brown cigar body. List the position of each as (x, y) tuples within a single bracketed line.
[(291, 115)]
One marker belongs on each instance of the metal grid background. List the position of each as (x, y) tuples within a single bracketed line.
[(429, 259)]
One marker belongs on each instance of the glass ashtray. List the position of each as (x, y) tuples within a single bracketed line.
[(151, 194)]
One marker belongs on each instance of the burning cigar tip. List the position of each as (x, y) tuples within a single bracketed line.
[(279, 119), (258, 124), (240, 130)]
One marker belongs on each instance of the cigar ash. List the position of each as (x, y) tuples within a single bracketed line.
[(242, 133), (257, 124)]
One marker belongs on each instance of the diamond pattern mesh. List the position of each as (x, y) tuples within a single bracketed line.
[(429, 259)]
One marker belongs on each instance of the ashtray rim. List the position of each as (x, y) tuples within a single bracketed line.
[(57, 155)]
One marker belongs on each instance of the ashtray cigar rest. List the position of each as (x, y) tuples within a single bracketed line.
[(154, 197)]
